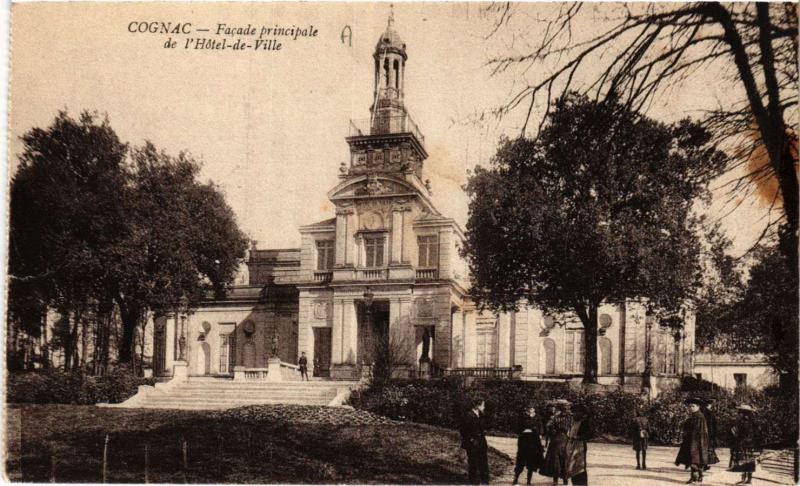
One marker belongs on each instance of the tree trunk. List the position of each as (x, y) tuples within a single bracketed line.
[(587, 312), (45, 347)]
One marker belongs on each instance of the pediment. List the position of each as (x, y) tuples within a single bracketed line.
[(371, 185)]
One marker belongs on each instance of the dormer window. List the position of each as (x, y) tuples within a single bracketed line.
[(428, 251), (324, 254), (373, 250)]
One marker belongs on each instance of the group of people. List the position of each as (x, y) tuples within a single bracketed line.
[(568, 429), (698, 448), (566, 433)]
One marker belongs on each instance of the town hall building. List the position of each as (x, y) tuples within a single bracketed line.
[(384, 275)]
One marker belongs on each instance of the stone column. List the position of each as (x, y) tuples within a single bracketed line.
[(398, 233), (351, 331), (469, 339), (503, 340), (337, 332), (341, 235), (351, 258)]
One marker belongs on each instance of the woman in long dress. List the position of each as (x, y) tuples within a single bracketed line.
[(557, 428), (577, 438), (745, 444)]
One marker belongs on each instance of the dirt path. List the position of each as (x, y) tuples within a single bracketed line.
[(615, 464)]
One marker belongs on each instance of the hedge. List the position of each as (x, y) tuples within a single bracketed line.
[(439, 402), (56, 386)]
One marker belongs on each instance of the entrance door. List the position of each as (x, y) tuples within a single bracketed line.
[(160, 346), (322, 351)]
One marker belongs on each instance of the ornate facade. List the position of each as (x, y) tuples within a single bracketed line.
[(385, 276)]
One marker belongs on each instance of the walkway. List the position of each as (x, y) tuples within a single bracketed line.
[(615, 464)]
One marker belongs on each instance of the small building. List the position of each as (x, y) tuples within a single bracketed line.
[(732, 371), (385, 274)]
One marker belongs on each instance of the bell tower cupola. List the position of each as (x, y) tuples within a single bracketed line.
[(388, 111)]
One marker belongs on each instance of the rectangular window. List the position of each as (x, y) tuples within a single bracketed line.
[(324, 254), (224, 353), (741, 379), (374, 251), (428, 251), (573, 351), (487, 353)]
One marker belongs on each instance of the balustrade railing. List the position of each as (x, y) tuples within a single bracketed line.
[(323, 276), (255, 373), (385, 125), (510, 373), (373, 274), (427, 273)]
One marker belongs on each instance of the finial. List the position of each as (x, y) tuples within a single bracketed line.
[(391, 15)]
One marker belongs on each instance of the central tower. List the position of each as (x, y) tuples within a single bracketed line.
[(390, 141)]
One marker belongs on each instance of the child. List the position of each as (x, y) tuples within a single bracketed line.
[(529, 444)]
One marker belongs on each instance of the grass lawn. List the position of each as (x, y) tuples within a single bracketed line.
[(259, 444)]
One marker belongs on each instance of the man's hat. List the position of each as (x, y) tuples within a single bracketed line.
[(745, 408), (695, 401), (709, 401), (559, 401)]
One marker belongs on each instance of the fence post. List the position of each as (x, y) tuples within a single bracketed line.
[(185, 458), (219, 457), (105, 459), (146, 464), (52, 467)]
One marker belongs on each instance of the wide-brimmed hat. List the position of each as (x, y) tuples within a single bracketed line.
[(745, 408), (559, 402), (695, 401)]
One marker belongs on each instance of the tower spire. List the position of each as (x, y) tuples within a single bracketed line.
[(390, 23)]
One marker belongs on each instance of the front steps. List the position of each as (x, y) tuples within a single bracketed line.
[(220, 393)]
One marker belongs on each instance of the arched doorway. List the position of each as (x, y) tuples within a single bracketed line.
[(203, 359), (548, 360), (604, 346)]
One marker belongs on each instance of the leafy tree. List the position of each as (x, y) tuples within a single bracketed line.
[(64, 209), (96, 227), (596, 209), (647, 50), (181, 241)]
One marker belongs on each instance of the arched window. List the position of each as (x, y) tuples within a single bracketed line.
[(548, 359), (396, 74), (604, 345), (386, 72)]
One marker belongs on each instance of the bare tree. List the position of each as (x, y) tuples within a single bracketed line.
[(647, 49)]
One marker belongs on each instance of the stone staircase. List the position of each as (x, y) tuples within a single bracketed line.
[(202, 393)]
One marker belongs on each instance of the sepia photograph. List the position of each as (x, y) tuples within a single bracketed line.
[(402, 243)]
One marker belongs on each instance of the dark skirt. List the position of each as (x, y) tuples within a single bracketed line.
[(712, 456), (529, 452), (555, 461), (743, 460), (640, 443)]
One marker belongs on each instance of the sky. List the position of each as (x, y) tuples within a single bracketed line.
[(269, 127)]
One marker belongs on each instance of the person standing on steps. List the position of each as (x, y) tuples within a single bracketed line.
[(302, 363), (640, 436), (693, 452), (711, 422), (530, 454), (555, 461), (745, 444), (473, 440), (577, 440)]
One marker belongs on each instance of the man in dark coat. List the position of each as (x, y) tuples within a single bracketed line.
[(640, 437), (694, 447), (473, 440), (711, 422)]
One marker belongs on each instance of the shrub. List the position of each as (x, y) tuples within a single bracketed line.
[(56, 386), (439, 402)]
